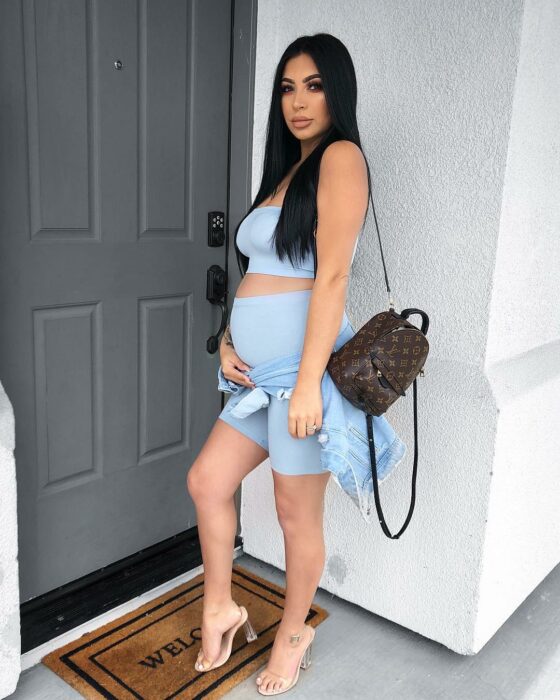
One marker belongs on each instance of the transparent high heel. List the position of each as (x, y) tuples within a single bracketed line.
[(227, 641), (304, 662)]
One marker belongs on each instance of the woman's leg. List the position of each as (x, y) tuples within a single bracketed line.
[(225, 459), (299, 505)]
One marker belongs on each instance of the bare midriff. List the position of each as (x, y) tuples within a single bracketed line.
[(256, 283)]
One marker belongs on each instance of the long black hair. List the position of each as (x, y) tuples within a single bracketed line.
[(296, 226)]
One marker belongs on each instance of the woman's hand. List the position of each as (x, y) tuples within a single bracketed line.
[(305, 409), (232, 364)]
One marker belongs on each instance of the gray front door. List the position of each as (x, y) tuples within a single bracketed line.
[(113, 149)]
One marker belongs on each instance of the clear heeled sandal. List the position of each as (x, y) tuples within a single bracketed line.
[(227, 641), (304, 662)]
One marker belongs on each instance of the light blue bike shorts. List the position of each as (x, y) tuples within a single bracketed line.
[(263, 327)]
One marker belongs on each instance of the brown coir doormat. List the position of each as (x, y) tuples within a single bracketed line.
[(150, 653)]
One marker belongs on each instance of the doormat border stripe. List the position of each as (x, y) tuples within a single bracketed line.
[(64, 663)]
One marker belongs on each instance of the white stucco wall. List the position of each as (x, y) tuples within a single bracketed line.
[(10, 639), (523, 348), (459, 118)]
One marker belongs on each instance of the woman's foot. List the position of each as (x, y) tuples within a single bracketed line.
[(284, 659), (214, 623)]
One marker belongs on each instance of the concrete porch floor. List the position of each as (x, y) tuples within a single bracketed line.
[(357, 654)]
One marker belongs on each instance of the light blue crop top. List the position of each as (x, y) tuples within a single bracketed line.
[(254, 240)]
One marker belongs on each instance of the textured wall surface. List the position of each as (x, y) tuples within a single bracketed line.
[(523, 349), (446, 108), (10, 640)]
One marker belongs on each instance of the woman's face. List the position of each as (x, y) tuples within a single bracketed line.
[(302, 96)]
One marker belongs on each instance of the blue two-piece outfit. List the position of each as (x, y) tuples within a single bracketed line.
[(268, 333)]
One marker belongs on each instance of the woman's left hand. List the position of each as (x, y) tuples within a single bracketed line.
[(305, 409)]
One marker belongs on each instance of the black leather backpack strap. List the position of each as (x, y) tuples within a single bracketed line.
[(369, 421)]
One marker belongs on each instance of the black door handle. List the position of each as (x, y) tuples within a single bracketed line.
[(216, 288)]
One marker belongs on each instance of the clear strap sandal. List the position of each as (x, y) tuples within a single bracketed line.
[(304, 662)]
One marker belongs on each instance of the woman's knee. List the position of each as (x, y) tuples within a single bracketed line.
[(203, 487), (195, 483), (296, 518)]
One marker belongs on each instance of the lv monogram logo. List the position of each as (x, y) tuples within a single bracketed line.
[(356, 371)]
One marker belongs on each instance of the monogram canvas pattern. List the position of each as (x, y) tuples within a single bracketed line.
[(380, 362)]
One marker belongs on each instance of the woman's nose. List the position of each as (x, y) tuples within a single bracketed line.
[(298, 102)]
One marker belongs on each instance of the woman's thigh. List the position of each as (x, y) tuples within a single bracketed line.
[(226, 457), (300, 501)]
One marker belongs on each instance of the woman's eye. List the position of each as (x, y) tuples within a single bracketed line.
[(285, 88)]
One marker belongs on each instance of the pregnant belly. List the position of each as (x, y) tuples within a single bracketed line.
[(264, 326), (256, 283)]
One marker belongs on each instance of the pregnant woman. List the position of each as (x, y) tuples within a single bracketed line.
[(315, 183)]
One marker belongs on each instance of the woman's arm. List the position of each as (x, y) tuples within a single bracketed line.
[(226, 338), (342, 196)]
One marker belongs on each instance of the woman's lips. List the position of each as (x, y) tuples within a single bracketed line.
[(301, 124)]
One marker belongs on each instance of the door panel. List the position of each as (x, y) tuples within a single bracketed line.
[(114, 140)]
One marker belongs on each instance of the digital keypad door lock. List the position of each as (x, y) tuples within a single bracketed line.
[(216, 228)]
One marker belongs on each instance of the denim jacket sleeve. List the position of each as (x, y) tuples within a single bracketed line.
[(227, 385), (252, 399), (345, 449)]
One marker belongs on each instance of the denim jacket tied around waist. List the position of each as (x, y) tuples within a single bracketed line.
[(343, 434)]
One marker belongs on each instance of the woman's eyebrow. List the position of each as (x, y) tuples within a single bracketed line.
[(305, 80)]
